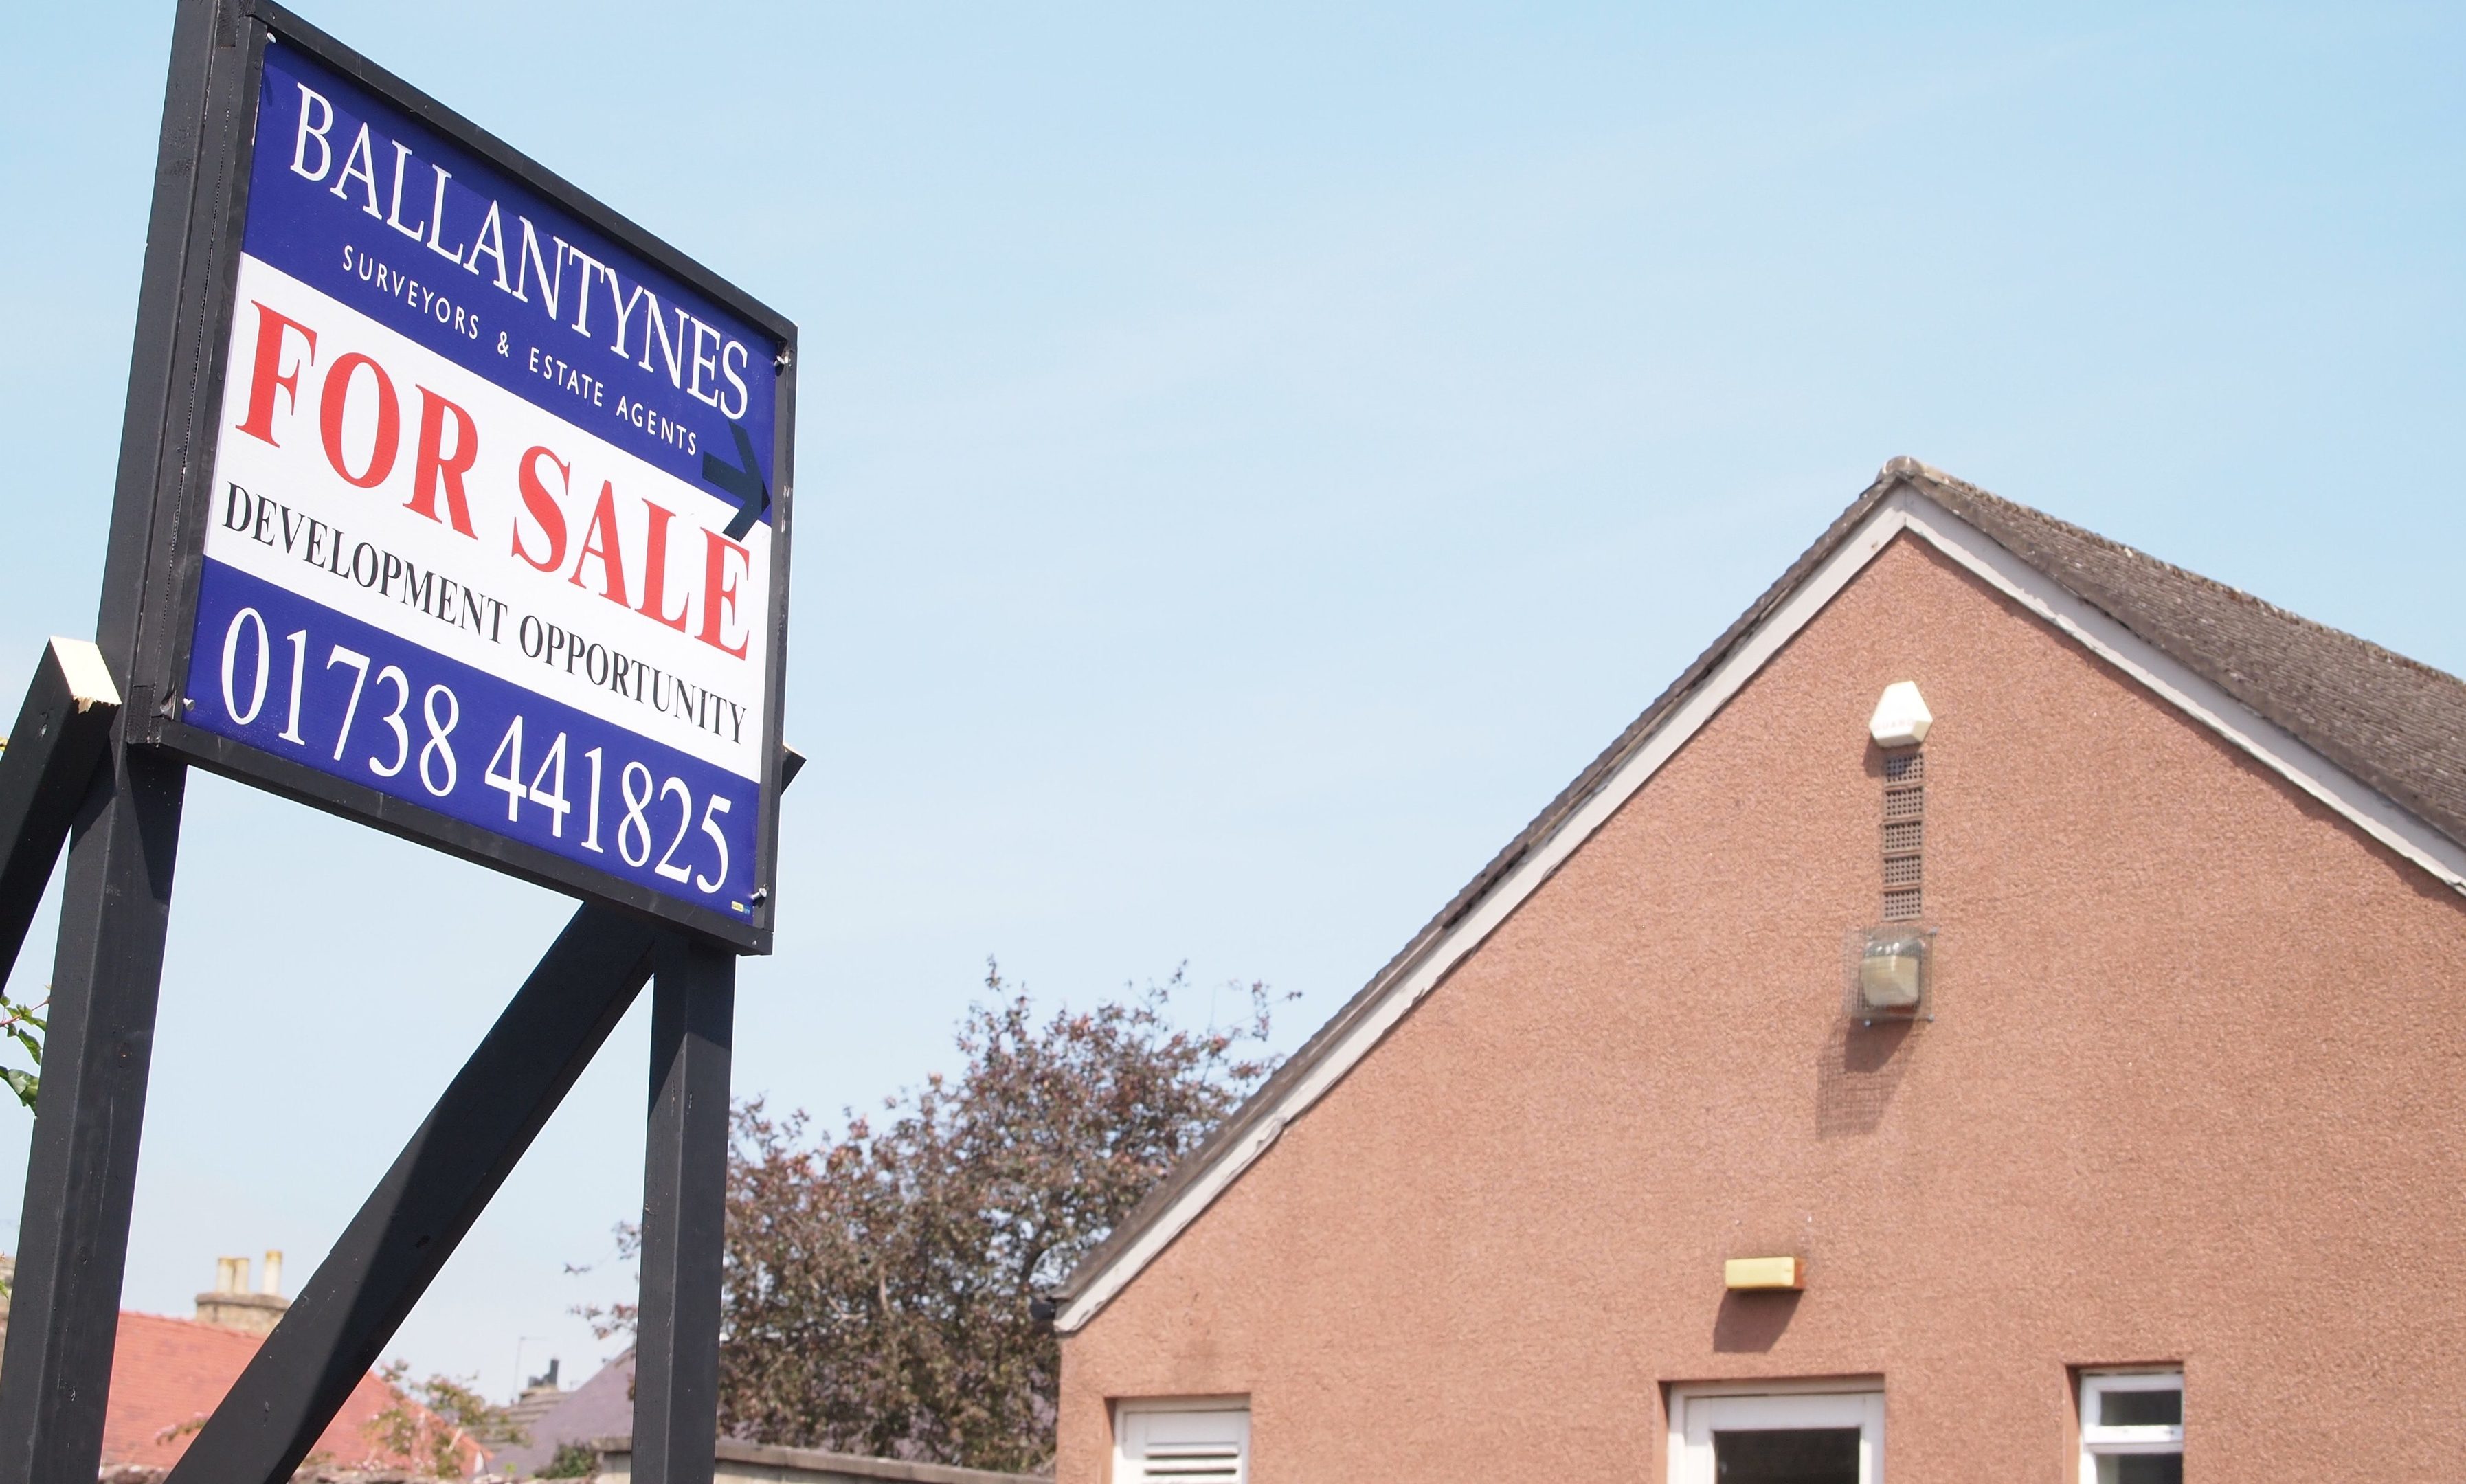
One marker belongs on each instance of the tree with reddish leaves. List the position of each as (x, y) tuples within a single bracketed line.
[(880, 1286)]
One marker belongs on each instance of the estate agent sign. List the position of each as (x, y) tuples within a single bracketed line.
[(492, 556)]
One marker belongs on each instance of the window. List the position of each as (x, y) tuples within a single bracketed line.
[(1181, 1442), (1776, 1433), (2132, 1427)]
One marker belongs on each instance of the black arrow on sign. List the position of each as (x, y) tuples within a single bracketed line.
[(744, 486)]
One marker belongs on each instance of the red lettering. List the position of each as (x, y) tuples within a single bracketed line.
[(267, 376), (544, 508), (718, 590), (330, 417), (654, 572), (437, 468), (600, 541)]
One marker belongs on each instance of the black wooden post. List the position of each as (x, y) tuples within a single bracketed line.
[(685, 1187), (82, 1171)]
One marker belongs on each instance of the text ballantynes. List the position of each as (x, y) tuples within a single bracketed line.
[(491, 528)]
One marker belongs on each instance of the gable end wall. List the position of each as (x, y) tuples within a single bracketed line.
[(2188, 1098)]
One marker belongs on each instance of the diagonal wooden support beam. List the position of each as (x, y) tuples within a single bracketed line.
[(412, 1223), (63, 730), (441, 1181)]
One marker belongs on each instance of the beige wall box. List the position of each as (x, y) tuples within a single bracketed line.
[(1763, 1272)]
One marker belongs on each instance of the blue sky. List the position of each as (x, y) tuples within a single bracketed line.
[(1250, 458)]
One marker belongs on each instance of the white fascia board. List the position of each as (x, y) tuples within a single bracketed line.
[(1904, 510)]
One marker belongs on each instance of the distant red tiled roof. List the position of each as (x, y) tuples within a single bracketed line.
[(168, 1375)]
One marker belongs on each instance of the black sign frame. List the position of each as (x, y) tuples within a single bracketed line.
[(170, 589)]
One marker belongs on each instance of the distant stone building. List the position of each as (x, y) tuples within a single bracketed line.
[(600, 1407)]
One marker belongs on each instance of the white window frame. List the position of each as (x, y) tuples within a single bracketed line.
[(1746, 1407), (2099, 1442), (1127, 1407)]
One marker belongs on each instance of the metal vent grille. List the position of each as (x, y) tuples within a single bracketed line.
[(1191, 1461), (1904, 833), (1206, 1444)]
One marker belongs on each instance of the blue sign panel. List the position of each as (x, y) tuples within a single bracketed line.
[(491, 533)]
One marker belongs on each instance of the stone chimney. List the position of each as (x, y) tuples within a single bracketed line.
[(232, 1306)]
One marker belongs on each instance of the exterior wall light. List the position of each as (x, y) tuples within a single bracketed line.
[(1901, 716), (1892, 974)]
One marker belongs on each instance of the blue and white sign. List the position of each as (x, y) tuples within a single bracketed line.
[(491, 525)]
